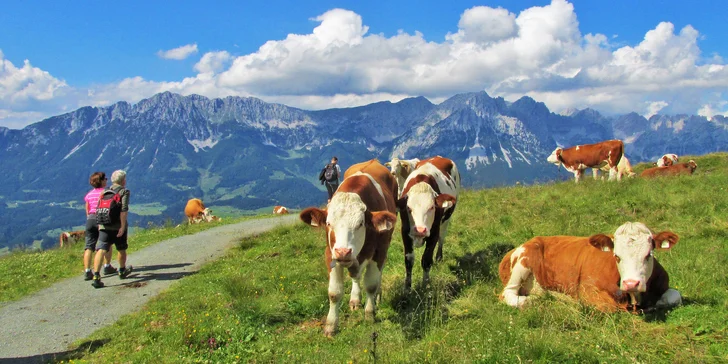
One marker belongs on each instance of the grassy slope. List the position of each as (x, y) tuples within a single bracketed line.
[(266, 299), (26, 272)]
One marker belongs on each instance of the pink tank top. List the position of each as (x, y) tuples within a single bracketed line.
[(92, 198)]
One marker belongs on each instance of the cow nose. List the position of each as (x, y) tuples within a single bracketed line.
[(342, 253), (421, 230), (630, 284)]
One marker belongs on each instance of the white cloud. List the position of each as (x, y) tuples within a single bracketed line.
[(710, 110), (20, 85), (178, 53), (654, 107), (539, 52)]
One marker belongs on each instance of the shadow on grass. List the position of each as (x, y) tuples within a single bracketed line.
[(83, 349), (660, 314), (481, 265)]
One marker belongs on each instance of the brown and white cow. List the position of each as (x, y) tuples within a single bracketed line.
[(577, 159), (72, 237), (426, 205), (672, 170), (667, 160), (401, 169), (624, 168), (609, 272), (359, 222), (280, 210), (196, 212)]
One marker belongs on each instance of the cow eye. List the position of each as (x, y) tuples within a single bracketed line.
[(431, 208), (617, 258), (647, 258)]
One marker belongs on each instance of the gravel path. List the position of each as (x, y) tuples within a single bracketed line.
[(41, 326)]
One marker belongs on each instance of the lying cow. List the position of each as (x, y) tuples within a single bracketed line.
[(609, 272), (426, 205), (673, 170), (72, 237), (577, 159), (280, 210), (624, 168), (196, 212), (359, 221), (667, 160), (401, 169)]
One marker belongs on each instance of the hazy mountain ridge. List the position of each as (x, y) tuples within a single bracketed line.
[(243, 153)]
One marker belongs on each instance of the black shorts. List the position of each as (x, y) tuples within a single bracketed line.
[(92, 232), (108, 237)]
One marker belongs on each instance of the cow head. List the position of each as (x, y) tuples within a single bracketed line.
[(555, 157), (347, 221), (632, 247), (422, 204), (692, 165)]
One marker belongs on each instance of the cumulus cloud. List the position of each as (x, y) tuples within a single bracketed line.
[(710, 110), (178, 53), (19, 85), (539, 52)]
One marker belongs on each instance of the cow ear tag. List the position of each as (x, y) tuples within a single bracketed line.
[(665, 245), (605, 248)]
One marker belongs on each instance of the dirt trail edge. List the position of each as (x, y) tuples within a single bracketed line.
[(42, 325)]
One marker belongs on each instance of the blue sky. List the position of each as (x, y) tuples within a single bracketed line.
[(566, 54)]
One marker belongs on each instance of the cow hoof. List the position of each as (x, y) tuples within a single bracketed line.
[(354, 304), (329, 331)]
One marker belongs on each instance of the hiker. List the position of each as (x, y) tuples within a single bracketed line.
[(330, 176), (113, 225), (98, 182)]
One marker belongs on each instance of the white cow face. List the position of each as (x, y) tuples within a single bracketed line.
[(554, 157), (632, 246), (347, 221), (422, 204)]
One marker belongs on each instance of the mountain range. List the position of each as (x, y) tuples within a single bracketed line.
[(241, 154)]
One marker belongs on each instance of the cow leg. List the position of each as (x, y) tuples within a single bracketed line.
[(427, 259), (355, 300), (372, 282), (613, 173), (577, 174), (409, 258), (336, 292), (670, 298), (519, 284), (595, 173), (441, 240)]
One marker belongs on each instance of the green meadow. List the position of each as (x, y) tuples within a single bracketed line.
[(266, 300)]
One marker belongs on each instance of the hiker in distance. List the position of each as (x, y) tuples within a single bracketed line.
[(330, 176), (98, 182), (111, 215)]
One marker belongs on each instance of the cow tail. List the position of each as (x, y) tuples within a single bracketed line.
[(63, 239)]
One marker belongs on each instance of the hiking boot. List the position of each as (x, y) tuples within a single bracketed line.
[(124, 272), (96, 283), (110, 270), (89, 275)]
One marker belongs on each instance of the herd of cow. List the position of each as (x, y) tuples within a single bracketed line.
[(612, 272)]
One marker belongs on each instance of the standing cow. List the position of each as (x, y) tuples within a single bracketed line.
[(359, 221), (624, 168), (609, 272), (577, 159), (401, 169), (426, 205)]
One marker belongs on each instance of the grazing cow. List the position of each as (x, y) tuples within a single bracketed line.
[(72, 237), (667, 160), (280, 210), (401, 169), (196, 212), (624, 168), (609, 272), (359, 221), (673, 170), (426, 205), (577, 159)]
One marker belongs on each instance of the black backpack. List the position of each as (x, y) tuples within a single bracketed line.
[(330, 173), (108, 211)]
